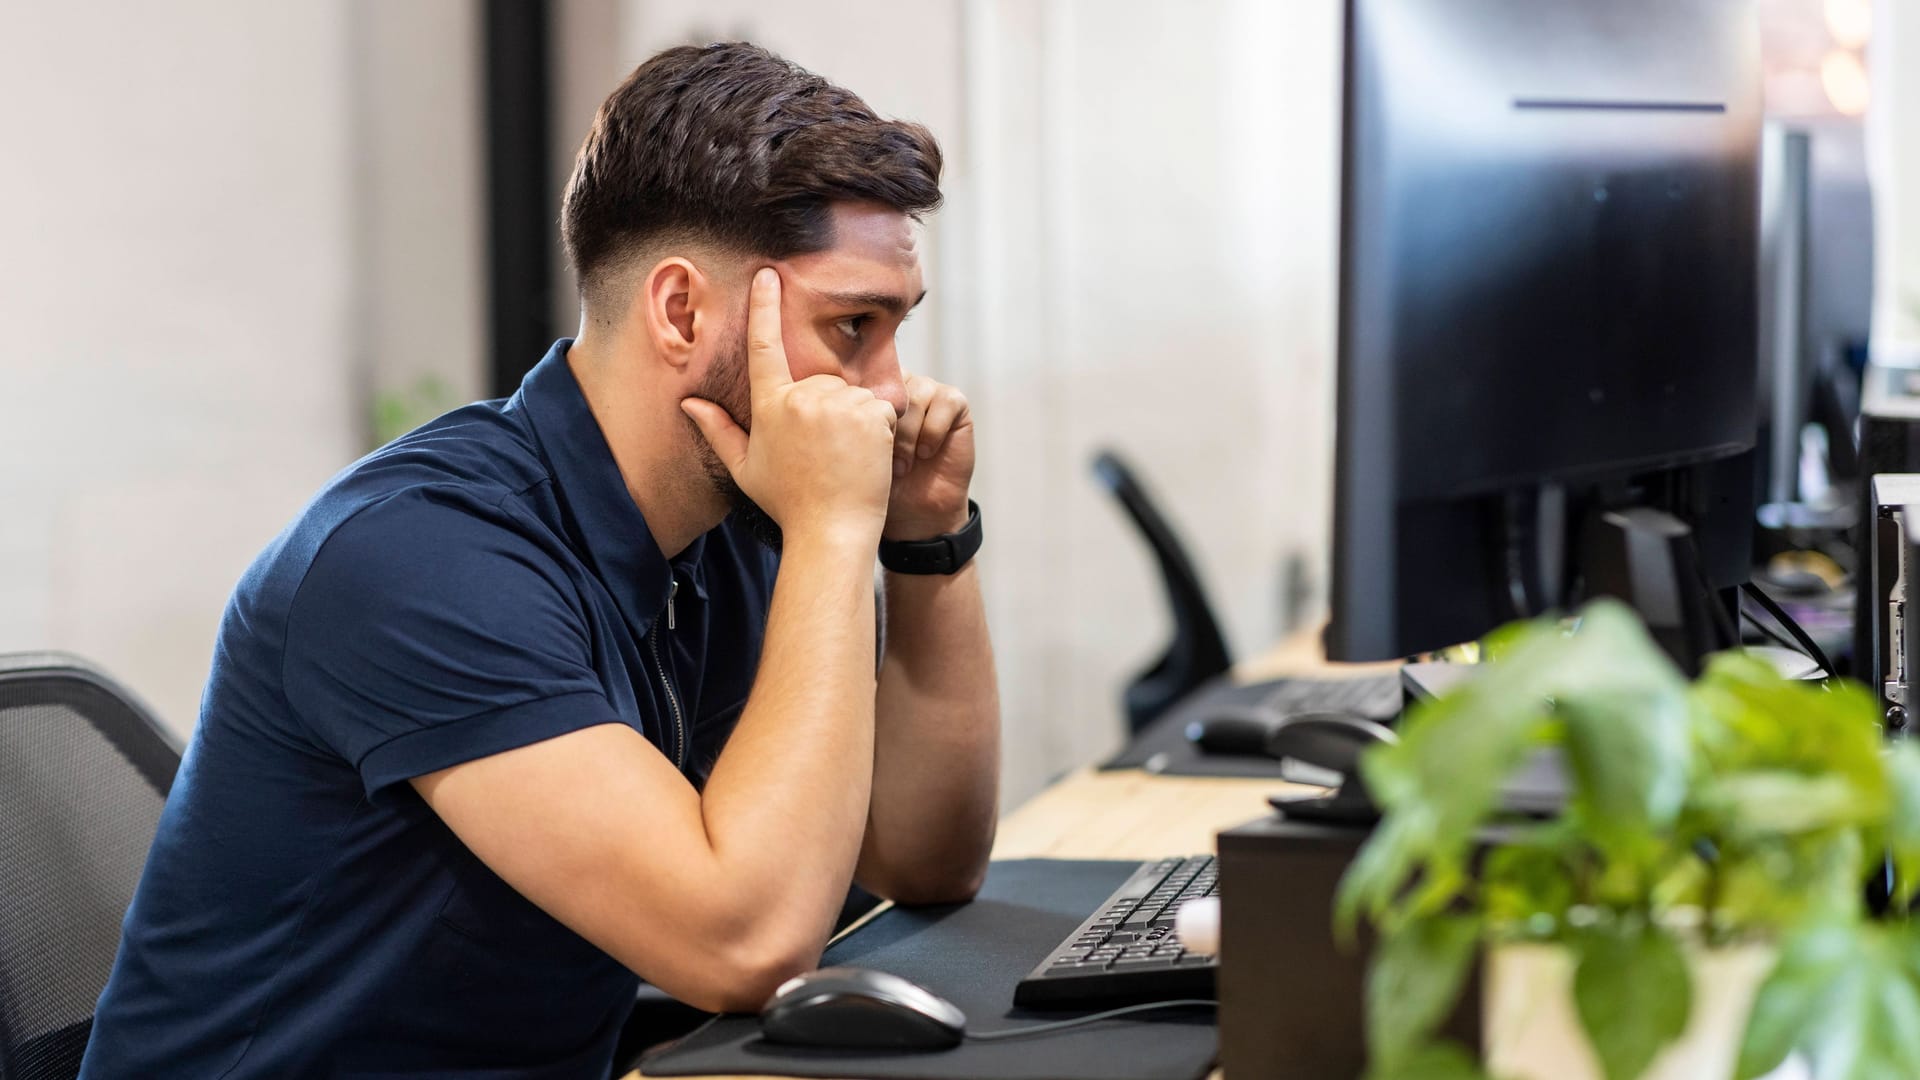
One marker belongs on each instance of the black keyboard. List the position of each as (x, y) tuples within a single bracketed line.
[(1376, 697), (1126, 950)]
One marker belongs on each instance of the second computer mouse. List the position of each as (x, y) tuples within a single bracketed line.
[(1314, 745), (856, 1009), (1326, 740)]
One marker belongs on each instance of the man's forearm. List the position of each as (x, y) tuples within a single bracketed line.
[(936, 742), (788, 796)]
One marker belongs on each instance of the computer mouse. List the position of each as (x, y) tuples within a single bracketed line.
[(1242, 732), (856, 1009), (1314, 745), (1328, 741)]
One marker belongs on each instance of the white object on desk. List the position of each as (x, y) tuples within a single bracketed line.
[(1197, 925)]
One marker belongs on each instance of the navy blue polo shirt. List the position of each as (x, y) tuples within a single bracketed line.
[(481, 584)]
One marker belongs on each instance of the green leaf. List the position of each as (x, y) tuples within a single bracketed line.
[(1785, 1010), (1844, 994), (1436, 1061), (1750, 718), (1903, 823), (1381, 869), (1779, 802), (1500, 641), (1634, 993), (1527, 880), (1785, 882), (1630, 752), (1441, 783), (1414, 981)]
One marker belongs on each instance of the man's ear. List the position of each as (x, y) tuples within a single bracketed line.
[(673, 302)]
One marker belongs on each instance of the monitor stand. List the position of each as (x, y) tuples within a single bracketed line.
[(1647, 559)]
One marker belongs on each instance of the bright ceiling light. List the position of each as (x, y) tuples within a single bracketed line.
[(1850, 22), (1844, 79)]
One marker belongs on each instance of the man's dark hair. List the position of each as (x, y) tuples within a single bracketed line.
[(732, 146)]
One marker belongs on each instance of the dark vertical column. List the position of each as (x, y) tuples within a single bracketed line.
[(520, 205)]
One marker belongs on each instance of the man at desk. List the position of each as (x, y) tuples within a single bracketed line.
[(578, 688)]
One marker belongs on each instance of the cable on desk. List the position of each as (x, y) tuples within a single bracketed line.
[(1814, 651), (1059, 1025), (1777, 637)]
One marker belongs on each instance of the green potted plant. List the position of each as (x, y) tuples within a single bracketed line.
[(1698, 910)]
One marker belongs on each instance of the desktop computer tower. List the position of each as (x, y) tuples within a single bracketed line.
[(1292, 1001), (1889, 444)]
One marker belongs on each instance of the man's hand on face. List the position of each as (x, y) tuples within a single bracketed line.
[(817, 461), (932, 462)]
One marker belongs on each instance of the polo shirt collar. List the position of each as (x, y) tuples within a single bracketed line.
[(606, 524)]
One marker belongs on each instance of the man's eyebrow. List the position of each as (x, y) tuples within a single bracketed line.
[(892, 303)]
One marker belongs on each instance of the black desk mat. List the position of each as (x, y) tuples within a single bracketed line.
[(1163, 746), (972, 955)]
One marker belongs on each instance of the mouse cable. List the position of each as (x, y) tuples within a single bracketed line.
[(1773, 635), (1814, 651), (1058, 1025)]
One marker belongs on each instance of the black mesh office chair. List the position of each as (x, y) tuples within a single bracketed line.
[(84, 769), (1198, 651)]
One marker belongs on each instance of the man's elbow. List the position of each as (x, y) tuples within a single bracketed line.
[(930, 884), (953, 889), (743, 974)]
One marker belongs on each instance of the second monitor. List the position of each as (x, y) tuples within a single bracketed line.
[(1547, 310)]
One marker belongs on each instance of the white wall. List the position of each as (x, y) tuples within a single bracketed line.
[(1151, 223), (1893, 156), (184, 349), (174, 301), (1137, 251), (418, 166)]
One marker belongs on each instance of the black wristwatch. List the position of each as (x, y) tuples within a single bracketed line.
[(944, 554)]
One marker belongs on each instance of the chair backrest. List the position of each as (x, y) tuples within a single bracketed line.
[(84, 770), (1198, 651)]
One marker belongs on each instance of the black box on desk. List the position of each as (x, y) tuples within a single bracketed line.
[(1292, 1002)]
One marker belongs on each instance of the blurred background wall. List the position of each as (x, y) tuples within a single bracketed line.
[(222, 226), (243, 242)]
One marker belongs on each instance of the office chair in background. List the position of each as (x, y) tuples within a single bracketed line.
[(84, 770), (1198, 651)]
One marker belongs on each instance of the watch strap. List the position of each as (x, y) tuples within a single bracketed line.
[(944, 554)]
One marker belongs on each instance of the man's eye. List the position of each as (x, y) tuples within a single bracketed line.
[(851, 325)]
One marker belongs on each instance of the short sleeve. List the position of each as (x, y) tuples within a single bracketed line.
[(428, 633)]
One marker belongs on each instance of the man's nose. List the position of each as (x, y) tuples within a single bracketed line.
[(887, 381)]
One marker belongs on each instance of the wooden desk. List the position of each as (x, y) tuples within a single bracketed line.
[(1128, 814)]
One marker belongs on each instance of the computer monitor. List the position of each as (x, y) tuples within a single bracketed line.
[(1816, 301), (1548, 317)]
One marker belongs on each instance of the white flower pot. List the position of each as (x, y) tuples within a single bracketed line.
[(1531, 1029)]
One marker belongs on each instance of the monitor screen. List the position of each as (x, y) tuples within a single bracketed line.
[(1548, 282)]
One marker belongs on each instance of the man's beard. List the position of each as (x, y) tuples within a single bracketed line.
[(726, 386)]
